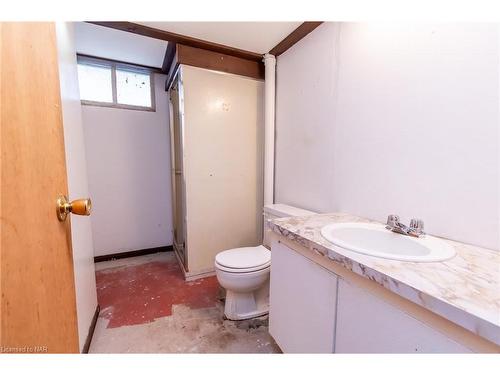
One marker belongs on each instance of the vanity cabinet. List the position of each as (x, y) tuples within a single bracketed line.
[(368, 324), (303, 297), (316, 310)]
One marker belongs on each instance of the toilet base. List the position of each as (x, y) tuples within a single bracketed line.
[(242, 306), (253, 315)]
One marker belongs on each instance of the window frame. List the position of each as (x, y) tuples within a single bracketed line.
[(113, 66)]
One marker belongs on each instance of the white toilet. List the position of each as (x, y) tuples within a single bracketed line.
[(244, 271)]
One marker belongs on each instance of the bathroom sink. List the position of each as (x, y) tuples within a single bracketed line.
[(377, 241)]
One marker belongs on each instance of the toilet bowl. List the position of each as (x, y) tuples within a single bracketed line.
[(244, 272)]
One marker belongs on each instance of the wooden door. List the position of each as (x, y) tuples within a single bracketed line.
[(38, 307)]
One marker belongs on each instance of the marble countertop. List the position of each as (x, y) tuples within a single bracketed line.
[(464, 289)]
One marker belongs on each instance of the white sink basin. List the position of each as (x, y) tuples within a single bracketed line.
[(375, 240)]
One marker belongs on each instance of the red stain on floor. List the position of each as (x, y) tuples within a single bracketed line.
[(139, 294)]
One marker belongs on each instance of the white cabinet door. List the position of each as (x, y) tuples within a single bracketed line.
[(302, 303), (367, 324)]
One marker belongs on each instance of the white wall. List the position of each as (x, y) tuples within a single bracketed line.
[(76, 166), (128, 156), (379, 119)]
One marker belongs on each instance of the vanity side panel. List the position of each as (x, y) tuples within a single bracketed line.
[(366, 324), (303, 298)]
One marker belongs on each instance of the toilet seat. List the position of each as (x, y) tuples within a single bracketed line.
[(241, 270), (243, 259)]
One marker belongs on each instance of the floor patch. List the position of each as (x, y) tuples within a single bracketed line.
[(141, 293), (183, 317)]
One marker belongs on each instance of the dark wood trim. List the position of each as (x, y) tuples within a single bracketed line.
[(180, 39), (133, 253), (294, 37), (172, 72), (169, 57), (123, 63), (203, 58), (90, 334), (221, 62)]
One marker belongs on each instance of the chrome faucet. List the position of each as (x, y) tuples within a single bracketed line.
[(416, 228)]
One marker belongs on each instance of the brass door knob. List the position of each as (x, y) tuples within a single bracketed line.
[(77, 207)]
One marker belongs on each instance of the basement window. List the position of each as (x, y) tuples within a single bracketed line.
[(113, 84)]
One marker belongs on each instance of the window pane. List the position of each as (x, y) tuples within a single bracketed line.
[(95, 83), (133, 88)]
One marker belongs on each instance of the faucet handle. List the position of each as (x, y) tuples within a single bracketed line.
[(417, 225), (392, 220)]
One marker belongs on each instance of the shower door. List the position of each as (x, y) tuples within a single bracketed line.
[(178, 183)]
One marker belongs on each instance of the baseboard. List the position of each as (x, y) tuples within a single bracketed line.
[(132, 253), (90, 334), (199, 275)]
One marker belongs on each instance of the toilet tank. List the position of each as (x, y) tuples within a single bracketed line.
[(273, 211)]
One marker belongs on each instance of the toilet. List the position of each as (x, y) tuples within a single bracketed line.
[(244, 272)]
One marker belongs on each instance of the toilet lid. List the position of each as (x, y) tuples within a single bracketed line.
[(244, 257)]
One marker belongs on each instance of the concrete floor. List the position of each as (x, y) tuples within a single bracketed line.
[(147, 307)]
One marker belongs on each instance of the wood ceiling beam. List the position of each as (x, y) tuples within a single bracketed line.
[(180, 39), (202, 58), (296, 35), (222, 58)]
